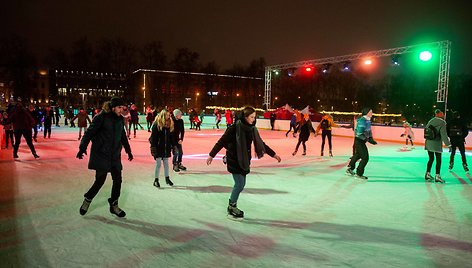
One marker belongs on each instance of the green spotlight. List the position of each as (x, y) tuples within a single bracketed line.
[(425, 55)]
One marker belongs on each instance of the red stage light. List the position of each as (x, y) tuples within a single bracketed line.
[(308, 69)]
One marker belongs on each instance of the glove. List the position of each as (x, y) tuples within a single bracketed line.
[(402, 135), (371, 141), (130, 156), (80, 154), (153, 152)]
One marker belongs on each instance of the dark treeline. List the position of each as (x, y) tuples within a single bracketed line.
[(411, 93)]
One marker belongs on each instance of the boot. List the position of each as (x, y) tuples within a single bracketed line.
[(322, 153), (466, 168), (304, 152), (85, 206), (156, 183), (294, 153), (330, 153), (350, 171), (428, 177), (361, 177), (451, 164), (181, 167), (114, 209), (169, 182), (176, 168), (438, 179), (234, 211), (35, 155)]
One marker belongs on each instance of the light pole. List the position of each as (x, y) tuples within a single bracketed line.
[(187, 99), (83, 98)]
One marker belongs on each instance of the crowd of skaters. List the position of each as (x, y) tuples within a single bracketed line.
[(167, 135)]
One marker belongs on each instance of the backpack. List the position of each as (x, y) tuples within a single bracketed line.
[(430, 133), (455, 131), (324, 124)]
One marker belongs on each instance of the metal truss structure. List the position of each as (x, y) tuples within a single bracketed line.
[(444, 48)]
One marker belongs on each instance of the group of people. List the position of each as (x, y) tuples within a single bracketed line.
[(107, 133)]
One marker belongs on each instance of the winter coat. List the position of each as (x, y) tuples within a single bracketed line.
[(363, 129), (228, 141), (134, 115), (436, 145), (82, 119), (457, 124), (179, 129), (305, 130), (330, 123), (21, 119), (161, 141), (108, 135), (48, 115)]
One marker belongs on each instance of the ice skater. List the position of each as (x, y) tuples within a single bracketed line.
[(82, 118), (293, 125), (435, 135), (162, 143), (457, 131), (408, 135), (178, 135), (363, 134), (326, 126), (305, 128), (108, 136), (237, 140), (22, 123)]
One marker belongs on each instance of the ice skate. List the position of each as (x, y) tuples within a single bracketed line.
[(450, 167), (304, 152), (234, 211), (350, 172), (438, 179), (181, 167), (361, 177), (169, 182), (294, 153), (330, 153), (114, 209), (466, 168), (35, 155), (85, 206), (156, 183), (176, 168), (322, 153), (428, 177)]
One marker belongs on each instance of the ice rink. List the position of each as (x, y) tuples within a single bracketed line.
[(302, 212)]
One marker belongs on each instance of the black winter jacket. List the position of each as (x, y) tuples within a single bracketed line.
[(228, 141), (161, 141), (108, 135)]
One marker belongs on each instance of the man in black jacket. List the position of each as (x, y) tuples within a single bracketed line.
[(178, 133), (457, 131), (108, 135)]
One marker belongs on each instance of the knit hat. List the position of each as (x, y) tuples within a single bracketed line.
[(115, 101), (365, 111), (438, 113), (177, 112)]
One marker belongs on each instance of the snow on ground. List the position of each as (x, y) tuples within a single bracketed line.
[(302, 212)]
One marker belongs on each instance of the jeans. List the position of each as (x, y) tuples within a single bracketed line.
[(177, 152), (239, 183), (157, 169)]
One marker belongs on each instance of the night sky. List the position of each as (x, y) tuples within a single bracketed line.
[(232, 32)]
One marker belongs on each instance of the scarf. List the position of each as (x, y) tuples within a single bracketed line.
[(241, 143)]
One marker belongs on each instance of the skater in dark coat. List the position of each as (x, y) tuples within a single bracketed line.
[(305, 129), (108, 136), (363, 134), (162, 142), (457, 131), (178, 135), (22, 123), (237, 141)]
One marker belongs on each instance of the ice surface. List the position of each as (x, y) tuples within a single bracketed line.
[(302, 212)]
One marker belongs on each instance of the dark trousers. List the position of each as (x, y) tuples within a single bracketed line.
[(324, 134), (431, 160), (100, 177), (9, 136), (361, 153), (303, 144), (177, 152), (272, 123), (29, 140), (149, 125), (35, 131), (47, 131), (461, 147), (294, 129)]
